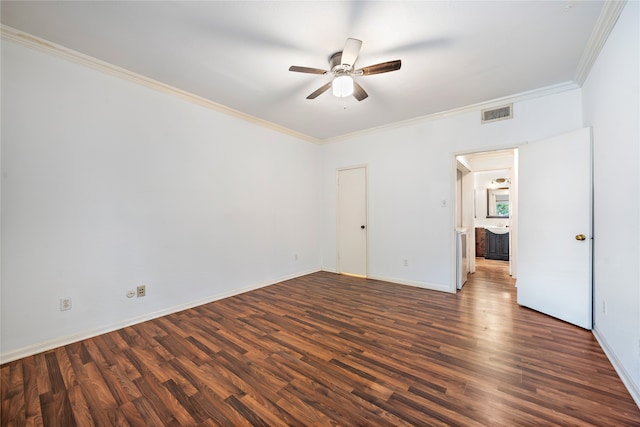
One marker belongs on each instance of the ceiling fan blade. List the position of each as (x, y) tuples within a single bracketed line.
[(358, 92), (351, 51), (319, 91), (307, 70), (383, 67)]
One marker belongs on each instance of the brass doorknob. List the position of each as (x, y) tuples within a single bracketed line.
[(581, 237)]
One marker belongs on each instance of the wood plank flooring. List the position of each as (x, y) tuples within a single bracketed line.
[(326, 349)]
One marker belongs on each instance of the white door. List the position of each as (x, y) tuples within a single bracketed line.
[(555, 227), (352, 221)]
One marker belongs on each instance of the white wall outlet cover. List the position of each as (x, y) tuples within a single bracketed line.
[(131, 294), (141, 291), (65, 304)]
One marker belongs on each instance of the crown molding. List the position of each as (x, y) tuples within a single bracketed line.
[(609, 15), (519, 97), (33, 42)]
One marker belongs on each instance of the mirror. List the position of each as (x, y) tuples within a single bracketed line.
[(498, 202)]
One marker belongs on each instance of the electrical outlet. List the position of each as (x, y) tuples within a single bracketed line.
[(295, 257), (65, 304), (406, 263), (141, 290)]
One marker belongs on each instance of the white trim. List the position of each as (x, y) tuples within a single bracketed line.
[(28, 40), (453, 244), (609, 15), (62, 341), (415, 283), (42, 45), (627, 379)]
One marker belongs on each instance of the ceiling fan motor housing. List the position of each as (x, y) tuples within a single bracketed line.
[(336, 65)]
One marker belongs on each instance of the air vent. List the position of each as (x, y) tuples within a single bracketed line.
[(495, 114)]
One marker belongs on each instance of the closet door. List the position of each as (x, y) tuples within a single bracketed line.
[(352, 221)]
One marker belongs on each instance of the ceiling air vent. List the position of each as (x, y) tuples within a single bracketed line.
[(495, 114)]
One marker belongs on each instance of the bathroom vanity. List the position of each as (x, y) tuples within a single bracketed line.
[(496, 243)]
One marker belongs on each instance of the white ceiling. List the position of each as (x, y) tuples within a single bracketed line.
[(237, 53)]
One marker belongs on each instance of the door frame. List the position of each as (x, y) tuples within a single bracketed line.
[(453, 170), (366, 198)]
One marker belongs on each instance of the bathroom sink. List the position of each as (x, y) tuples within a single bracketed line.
[(497, 230)]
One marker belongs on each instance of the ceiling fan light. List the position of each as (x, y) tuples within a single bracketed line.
[(342, 86)]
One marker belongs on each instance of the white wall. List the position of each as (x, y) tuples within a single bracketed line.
[(412, 170), (611, 97), (107, 185)]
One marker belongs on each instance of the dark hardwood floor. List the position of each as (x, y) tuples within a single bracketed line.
[(326, 349)]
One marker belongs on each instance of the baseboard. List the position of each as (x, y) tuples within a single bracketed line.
[(417, 284), (62, 341), (424, 285), (627, 379)]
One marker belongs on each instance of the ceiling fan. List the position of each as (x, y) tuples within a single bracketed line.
[(341, 65)]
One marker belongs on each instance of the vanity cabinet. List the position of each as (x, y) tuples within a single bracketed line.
[(496, 246), (480, 241)]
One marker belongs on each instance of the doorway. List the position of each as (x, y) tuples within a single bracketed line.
[(486, 207), (554, 234)]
